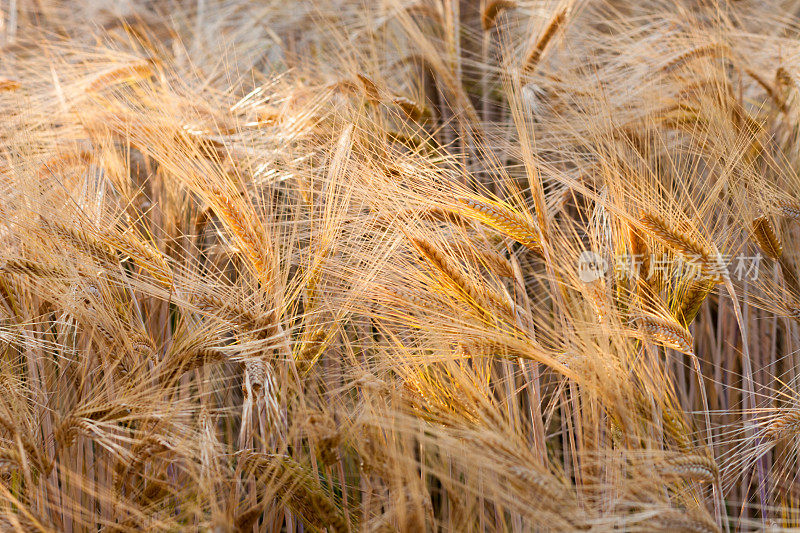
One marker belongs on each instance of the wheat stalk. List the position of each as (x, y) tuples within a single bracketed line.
[(414, 110), (640, 252), (785, 425), (144, 255), (690, 299), (253, 247), (502, 219), (436, 258), (533, 57), (83, 240), (9, 85), (492, 10), (313, 346), (709, 50), (766, 237), (668, 333), (188, 360), (790, 209), (31, 268), (697, 467), (780, 103), (125, 73), (301, 491), (681, 242), (26, 451), (262, 325), (676, 427), (494, 261)]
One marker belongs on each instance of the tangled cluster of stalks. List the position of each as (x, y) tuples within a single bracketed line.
[(322, 266)]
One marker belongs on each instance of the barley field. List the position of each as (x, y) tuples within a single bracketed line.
[(399, 265)]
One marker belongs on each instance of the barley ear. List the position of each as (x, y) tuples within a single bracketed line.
[(767, 239), (535, 54), (492, 10)]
